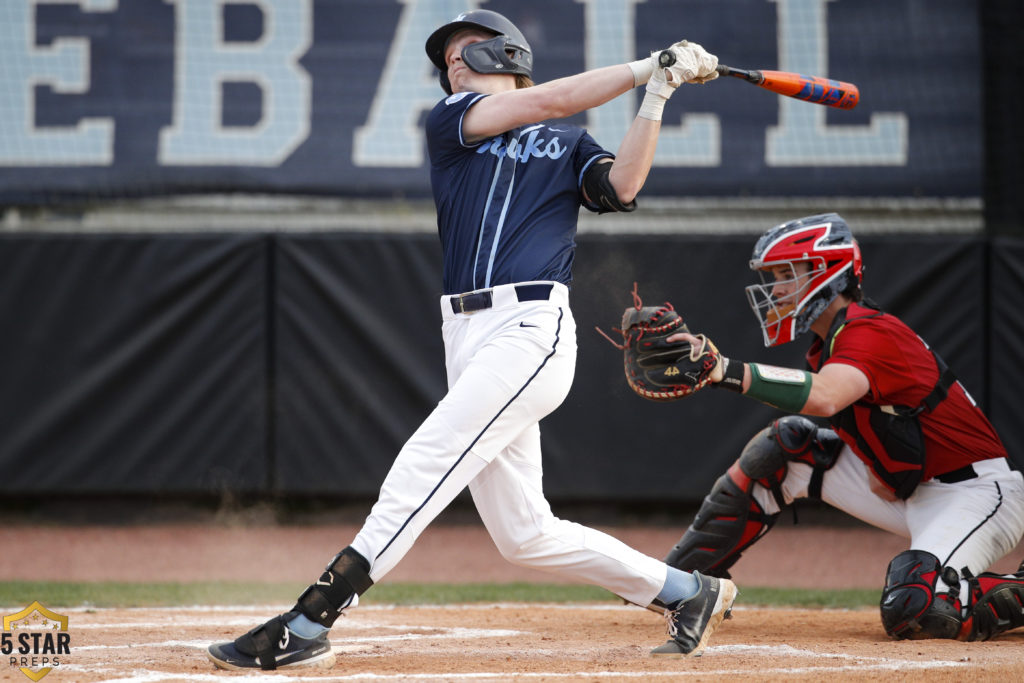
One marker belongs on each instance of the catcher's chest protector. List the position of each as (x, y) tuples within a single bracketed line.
[(899, 461)]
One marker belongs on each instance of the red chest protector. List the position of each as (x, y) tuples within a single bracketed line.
[(897, 451)]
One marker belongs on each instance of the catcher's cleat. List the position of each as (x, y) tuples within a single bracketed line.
[(273, 646), (691, 622), (998, 605)]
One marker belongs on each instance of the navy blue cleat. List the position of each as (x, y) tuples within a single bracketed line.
[(273, 646), (691, 622)]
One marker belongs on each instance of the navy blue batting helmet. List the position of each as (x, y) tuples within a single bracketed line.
[(507, 53)]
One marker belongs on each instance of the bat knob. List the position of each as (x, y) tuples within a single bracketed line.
[(666, 59)]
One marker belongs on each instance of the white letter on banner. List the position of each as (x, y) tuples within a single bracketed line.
[(803, 137), (408, 86), (204, 61), (64, 67), (609, 39)]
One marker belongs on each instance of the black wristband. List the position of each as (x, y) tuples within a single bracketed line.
[(733, 376)]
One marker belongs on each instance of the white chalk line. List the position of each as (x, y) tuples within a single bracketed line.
[(409, 633), (863, 664), (210, 616), (185, 610), (850, 663)]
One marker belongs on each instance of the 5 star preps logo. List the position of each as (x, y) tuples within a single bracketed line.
[(35, 640)]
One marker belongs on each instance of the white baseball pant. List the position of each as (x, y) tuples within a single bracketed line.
[(971, 523), (508, 366)]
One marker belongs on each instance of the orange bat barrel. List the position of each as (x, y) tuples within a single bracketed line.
[(815, 89)]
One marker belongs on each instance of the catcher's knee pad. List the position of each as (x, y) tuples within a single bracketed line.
[(344, 578), (996, 605), (910, 606), (793, 438)]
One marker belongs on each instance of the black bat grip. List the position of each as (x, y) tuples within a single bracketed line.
[(755, 77), (666, 59)]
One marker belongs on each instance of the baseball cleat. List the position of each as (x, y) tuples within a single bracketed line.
[(691, 622), (272, 646)]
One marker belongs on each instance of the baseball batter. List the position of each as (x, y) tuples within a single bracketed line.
[(906, 450), (508, 179)]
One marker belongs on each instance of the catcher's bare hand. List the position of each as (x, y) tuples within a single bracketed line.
[(701, 345)]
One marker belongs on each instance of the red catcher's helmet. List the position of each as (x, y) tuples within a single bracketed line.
[(827, 245), (506, 53)]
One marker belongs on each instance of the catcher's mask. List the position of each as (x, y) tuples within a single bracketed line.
[(819, 259), (506, 53)]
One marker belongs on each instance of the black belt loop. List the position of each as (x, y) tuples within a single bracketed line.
[(468, 303), (962, 474), (533, 292)]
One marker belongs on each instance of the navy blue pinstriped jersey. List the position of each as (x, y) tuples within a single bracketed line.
[(507, 207)]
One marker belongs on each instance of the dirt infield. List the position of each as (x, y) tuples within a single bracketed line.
[(481, 643), (529, 642)]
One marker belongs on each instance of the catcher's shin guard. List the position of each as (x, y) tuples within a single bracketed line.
[(344, 578), (996, 604), (730, 519), (910, 606)]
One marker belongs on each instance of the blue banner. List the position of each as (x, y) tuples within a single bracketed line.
[(109, 98)]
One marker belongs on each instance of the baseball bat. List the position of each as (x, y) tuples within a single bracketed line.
[(831, 93)]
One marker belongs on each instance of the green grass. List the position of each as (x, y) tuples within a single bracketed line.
[(112, 594)]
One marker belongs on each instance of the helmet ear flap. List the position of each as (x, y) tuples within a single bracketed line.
[(492, 57), (446, 85)]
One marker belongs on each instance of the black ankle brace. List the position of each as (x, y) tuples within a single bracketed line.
[(346, 576)]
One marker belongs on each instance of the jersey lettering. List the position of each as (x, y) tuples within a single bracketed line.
[(534, 147)]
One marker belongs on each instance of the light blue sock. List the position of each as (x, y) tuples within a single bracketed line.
[(679, 585), (304, 628)]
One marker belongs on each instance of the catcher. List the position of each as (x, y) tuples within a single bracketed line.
[(906, 448)]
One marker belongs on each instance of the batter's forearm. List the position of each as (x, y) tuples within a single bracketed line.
[(557, 99), (564, 97), (634, 158)]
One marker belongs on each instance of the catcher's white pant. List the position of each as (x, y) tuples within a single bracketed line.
[(508, 366), (969, 524)]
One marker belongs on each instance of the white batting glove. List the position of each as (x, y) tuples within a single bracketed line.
[(663, 81), (693, 64)]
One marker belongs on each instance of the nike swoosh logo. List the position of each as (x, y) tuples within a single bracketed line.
[(527, 325)]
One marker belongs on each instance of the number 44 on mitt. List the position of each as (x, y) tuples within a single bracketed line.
[(657, 369)]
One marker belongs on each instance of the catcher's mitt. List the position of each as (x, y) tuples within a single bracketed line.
[(657, 369)]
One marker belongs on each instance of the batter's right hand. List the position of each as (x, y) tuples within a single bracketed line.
[(664, 80)]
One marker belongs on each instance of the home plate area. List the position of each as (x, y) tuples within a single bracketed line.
[(503, 642)]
